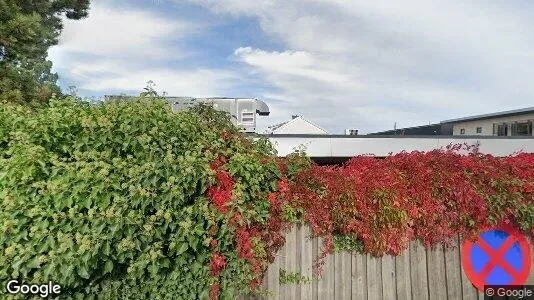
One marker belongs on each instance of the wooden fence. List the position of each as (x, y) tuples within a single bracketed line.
[(418, 273)]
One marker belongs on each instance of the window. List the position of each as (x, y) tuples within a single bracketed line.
[(247, 117), (462, 131), (500, 129), (479, 129), (522, 128)]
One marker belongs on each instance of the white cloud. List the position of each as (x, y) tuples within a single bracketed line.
[(298, 64), (371, 63), (121, 48), (198, 82), (116, 32)]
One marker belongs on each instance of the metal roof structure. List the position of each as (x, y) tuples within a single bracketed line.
[(431, 129), (507, 113), (242, 110)]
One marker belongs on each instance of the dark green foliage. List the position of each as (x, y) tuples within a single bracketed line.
[(108, 199)]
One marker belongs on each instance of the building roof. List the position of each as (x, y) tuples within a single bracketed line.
[(276, 126), (423, 129), (507, 113), (279, 126)]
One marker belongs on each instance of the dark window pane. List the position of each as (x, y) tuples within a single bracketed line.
[(522, 129)]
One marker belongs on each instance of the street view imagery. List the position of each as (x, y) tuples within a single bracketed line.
[(233, 149)]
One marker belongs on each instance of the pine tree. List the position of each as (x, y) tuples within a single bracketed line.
[(28, 28)]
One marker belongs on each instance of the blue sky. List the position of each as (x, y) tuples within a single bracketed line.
[(341, 64)]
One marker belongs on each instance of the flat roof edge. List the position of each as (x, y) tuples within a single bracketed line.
[(514, 112)]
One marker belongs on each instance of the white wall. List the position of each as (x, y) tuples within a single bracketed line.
[(487, 125), (299, 126), (348, 146)]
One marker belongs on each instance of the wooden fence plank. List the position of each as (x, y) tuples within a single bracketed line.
[(282, 266), (330, 271), (402, 269), (437, 280), (343, 275), (418, 271), (273, 278), (453, 271), (326, 283), (291, 262), (298, 261), (359, 277), (306, 262), (374, 278), (347, 271), (389, 288), (315, 281), (338, 275), (468, 290)]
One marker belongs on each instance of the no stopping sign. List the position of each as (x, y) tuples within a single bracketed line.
[(500, 256)]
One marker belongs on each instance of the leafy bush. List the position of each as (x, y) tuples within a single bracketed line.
[(128, 200)]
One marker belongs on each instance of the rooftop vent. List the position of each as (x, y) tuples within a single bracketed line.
[(351, 131)]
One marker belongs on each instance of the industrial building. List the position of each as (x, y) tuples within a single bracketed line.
[(506, 123), (243, 111)]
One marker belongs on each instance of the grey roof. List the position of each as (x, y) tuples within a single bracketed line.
[(507, 113), (404, 128), (276, 126)]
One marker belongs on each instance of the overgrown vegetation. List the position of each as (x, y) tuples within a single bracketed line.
[(379, 206), (286, 277), (129, 200)]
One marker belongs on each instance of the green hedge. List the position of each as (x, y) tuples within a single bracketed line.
[(109, 200)]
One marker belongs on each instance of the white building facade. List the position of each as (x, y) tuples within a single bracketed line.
[(509, 123)]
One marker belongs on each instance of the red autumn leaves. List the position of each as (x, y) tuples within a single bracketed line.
[(247, 233), (217, 264), (385, 203), (221, 193), (432, 197)]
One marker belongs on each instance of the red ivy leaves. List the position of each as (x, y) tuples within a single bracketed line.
[(269, 235), (218, 163), (217, 264), (273, 201), (221, 193), (245, 248), (214, 291), (283, 186), (384, 203), (429, 196)]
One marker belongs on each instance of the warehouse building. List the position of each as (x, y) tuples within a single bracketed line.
[(506, 123)]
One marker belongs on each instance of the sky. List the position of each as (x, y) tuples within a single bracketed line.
[(341, 64)]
